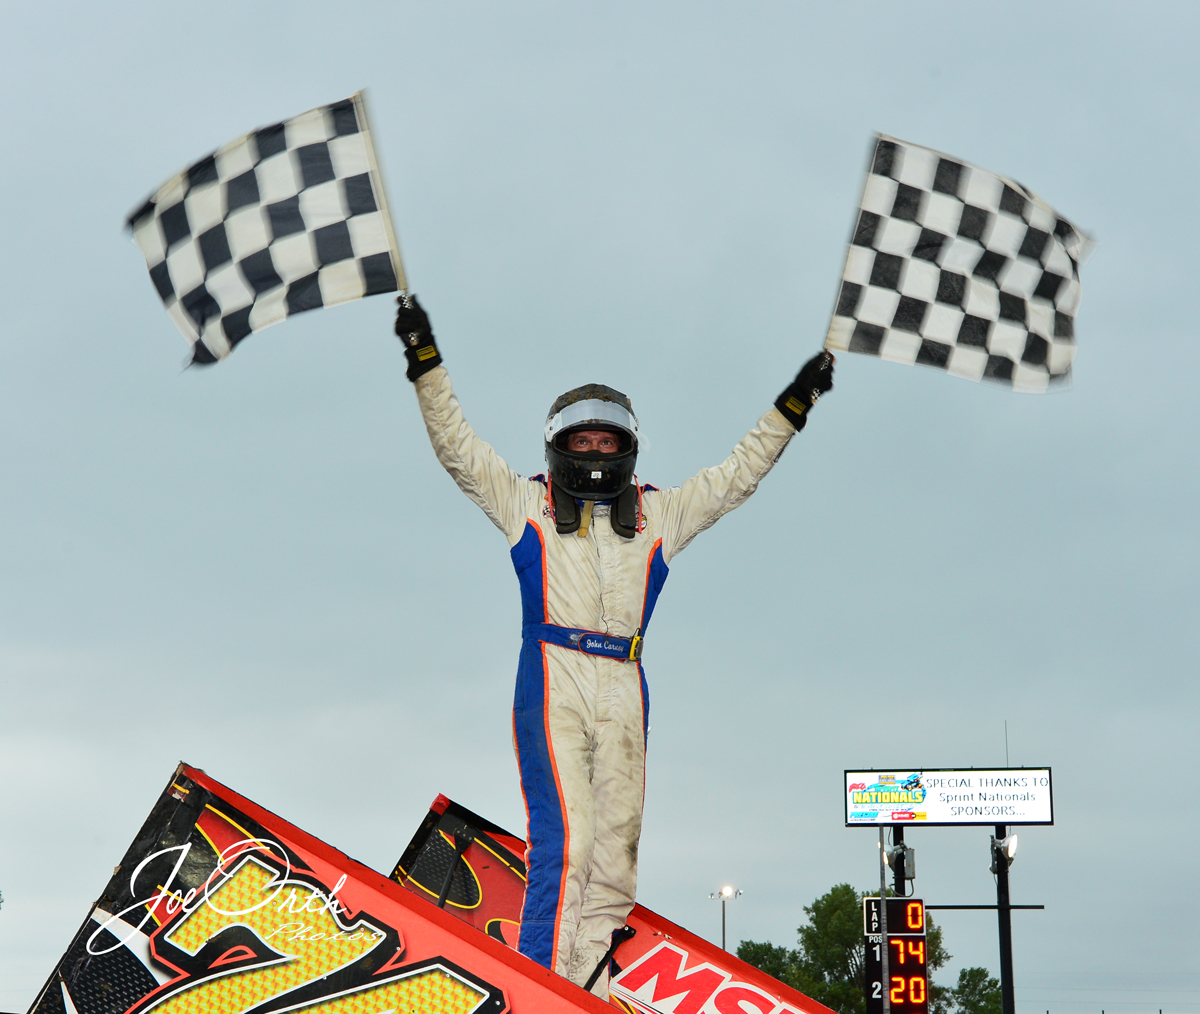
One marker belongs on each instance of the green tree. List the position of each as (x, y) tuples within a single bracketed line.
[(778, 962), (827, 964), (976, 992)]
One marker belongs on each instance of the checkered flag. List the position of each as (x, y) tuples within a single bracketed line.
[(288, 218), (954, 267)]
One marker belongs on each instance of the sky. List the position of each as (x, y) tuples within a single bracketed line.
[(260, 569)]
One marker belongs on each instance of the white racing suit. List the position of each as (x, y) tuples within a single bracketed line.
[(580, 719)]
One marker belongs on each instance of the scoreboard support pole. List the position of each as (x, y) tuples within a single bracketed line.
[(1004, 918), (884, 979)]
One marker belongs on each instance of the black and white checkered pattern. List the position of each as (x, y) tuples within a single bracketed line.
[(288, 218), (954, 267)]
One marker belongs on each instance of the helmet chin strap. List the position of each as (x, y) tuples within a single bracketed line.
[(585, 518)]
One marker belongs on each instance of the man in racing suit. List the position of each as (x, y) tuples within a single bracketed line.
[(581, 705)]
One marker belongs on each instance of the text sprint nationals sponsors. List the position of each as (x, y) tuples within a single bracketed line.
[(949, 796)]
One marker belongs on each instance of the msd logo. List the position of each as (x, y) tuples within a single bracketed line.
[(658, 984)]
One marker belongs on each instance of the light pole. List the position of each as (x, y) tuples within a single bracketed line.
[(726, 893), (1004, 850)]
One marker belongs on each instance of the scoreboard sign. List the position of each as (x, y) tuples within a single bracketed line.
[(905, 916), (948, 797), (908, 977)]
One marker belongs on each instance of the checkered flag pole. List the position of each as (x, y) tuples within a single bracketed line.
[(955, 267), (288, 218)]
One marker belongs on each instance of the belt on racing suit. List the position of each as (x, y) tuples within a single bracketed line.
[(590, 642)]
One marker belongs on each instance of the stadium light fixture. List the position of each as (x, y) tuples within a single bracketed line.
[(1003, 848), (726, 893)]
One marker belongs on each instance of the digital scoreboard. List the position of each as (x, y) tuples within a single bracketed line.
[(908, 978), (947, 797)]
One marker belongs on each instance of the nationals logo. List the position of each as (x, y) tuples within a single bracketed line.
[(659, 984)]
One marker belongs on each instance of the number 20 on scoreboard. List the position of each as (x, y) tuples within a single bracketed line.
[(908, 980)]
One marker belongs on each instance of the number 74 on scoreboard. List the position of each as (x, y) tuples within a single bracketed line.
[(908, 979)]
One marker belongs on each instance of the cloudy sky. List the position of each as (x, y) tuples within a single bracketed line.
[(260, 568)]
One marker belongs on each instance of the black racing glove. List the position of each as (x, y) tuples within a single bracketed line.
[(813, 380), (413, 328)]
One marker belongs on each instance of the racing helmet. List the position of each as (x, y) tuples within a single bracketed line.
[(591, 476)]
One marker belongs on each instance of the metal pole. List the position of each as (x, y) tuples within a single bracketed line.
[(898, 884), (1004, 918), (722, 924), (883, 972)]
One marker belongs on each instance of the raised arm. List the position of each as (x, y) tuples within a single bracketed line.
[(697, 504), (477, 469)]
